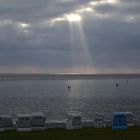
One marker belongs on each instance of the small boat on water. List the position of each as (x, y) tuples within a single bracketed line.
[(117, 84), (69, 87)]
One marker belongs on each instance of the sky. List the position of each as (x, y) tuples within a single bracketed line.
[(69, 36)]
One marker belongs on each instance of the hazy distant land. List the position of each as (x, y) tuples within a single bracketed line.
[(66, 76)]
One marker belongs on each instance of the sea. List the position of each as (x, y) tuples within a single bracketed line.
[(56, 100)]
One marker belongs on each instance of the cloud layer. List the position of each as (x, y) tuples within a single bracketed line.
[(42, 36)]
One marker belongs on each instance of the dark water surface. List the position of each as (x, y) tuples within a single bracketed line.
[(54, 99)]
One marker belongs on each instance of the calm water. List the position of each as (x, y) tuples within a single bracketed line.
[(54, 99)]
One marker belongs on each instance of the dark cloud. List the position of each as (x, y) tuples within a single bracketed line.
[(107, 40)]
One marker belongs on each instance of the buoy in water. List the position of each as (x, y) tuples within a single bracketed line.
[(117, 85)]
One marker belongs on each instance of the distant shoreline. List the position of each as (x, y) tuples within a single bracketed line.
[(66, 76)]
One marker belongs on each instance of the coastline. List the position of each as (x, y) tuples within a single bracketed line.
[(12, 76)]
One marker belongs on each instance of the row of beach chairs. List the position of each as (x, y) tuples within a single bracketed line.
[(37, 121)]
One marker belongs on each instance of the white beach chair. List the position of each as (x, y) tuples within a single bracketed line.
[(130, 121), (74, 121), (6, 123), (98, 121), (23, 122), (38, 121), (107, 122)]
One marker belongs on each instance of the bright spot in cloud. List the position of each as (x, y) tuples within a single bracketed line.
[(94, 3), (112, 1), (88, 9), (74, 18), (57, 19), (24, 25), (84, 9)]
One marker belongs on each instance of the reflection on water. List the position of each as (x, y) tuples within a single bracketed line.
[(54, 98)]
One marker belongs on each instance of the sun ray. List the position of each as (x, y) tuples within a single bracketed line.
[(79, 46)]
